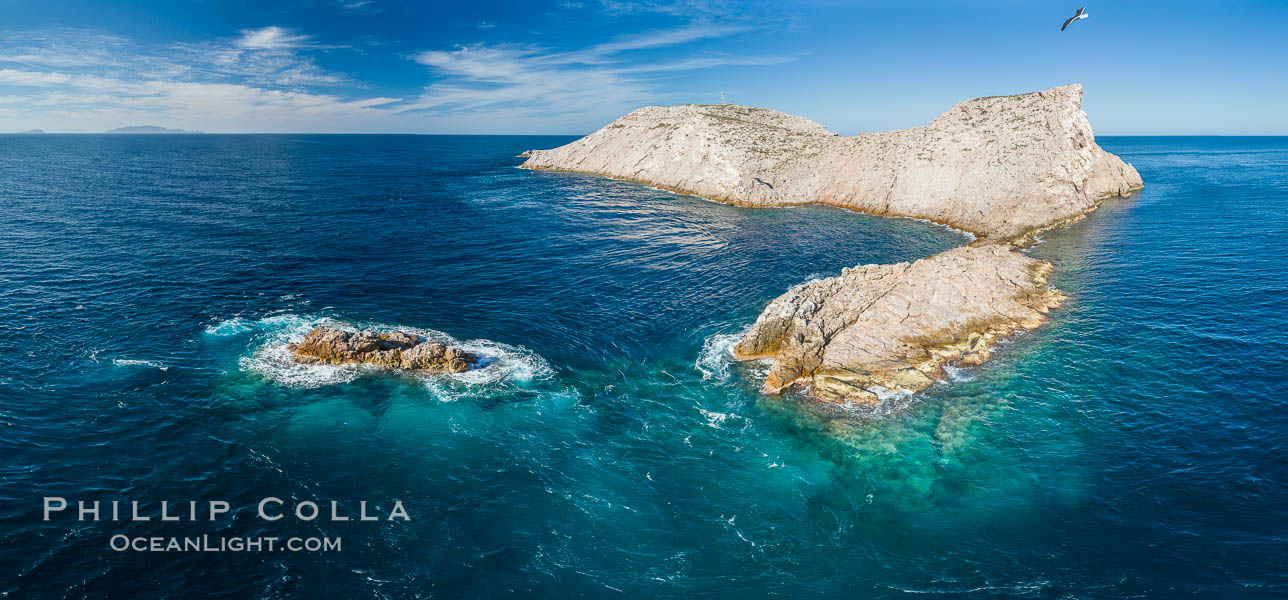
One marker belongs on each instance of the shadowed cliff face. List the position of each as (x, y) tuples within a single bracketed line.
[(998, 167), (1003, 168)]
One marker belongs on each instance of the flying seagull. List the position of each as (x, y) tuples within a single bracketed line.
[(1076, 17), (764, 183)]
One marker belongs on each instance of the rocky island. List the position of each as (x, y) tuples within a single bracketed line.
[(893, 327), (146, 129), (393, 350), (1003, 168)]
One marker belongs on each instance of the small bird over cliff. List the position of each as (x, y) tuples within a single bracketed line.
[(764, 183), (1078, 16)]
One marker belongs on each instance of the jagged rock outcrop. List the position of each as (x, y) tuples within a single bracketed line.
[(999, 167), (394, 350), (893, 327)]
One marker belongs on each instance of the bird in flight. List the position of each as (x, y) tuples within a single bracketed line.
[(764, 183), (1076, 17)]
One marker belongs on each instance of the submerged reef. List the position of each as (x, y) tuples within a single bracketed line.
[(1003, 168)]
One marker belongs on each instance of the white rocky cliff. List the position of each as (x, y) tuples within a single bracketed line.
[(1002, 168), (998, 167)]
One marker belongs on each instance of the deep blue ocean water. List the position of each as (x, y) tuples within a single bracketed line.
[(1135, 446)]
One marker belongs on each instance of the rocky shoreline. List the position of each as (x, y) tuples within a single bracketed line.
[(1002, 168)]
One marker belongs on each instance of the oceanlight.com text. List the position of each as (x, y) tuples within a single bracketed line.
[(206, 543)]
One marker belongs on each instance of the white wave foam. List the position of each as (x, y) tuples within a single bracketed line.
[(890, 396), (240, 325), (273, 362), (714, 419), (717, 355), (1037, 241), (131, 362), (970, 237), (814, 278), (888, 402), (957, 374), (498, 363), (231, 326), (671, 192), (503, 362)]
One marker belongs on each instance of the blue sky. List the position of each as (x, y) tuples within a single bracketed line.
[(571, 66)]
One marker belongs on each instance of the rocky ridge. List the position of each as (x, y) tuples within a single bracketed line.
[(997, 167)]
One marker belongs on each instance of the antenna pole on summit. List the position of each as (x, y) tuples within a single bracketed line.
[(722, 97)]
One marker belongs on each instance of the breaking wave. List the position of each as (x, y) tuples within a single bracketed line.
[(957, 374), (131, 362), (716, 358), (499, 363)]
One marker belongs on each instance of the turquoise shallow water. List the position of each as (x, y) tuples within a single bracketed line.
[(1131, 447)]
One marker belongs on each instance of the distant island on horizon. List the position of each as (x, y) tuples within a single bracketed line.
[(30, 131), (147, 129)]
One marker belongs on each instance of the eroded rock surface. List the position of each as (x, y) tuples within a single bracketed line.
[(1000, 167), (394, 350), (893, 327)]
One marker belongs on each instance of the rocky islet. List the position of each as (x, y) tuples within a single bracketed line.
[(391, 350)]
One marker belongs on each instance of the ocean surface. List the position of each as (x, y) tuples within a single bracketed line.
[(1135, 446)]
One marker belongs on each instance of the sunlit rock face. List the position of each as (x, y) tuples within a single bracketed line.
[(893, 327), (999, 167)]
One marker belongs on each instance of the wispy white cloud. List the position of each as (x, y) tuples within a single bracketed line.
[(369, 7), (518, 78), (87, 102), (260, 80), (271, 56), (594, 83), (669, 37), (270, 38), (31, 78), (62, 48), (692, 64), (686, 8), (268, 79)]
